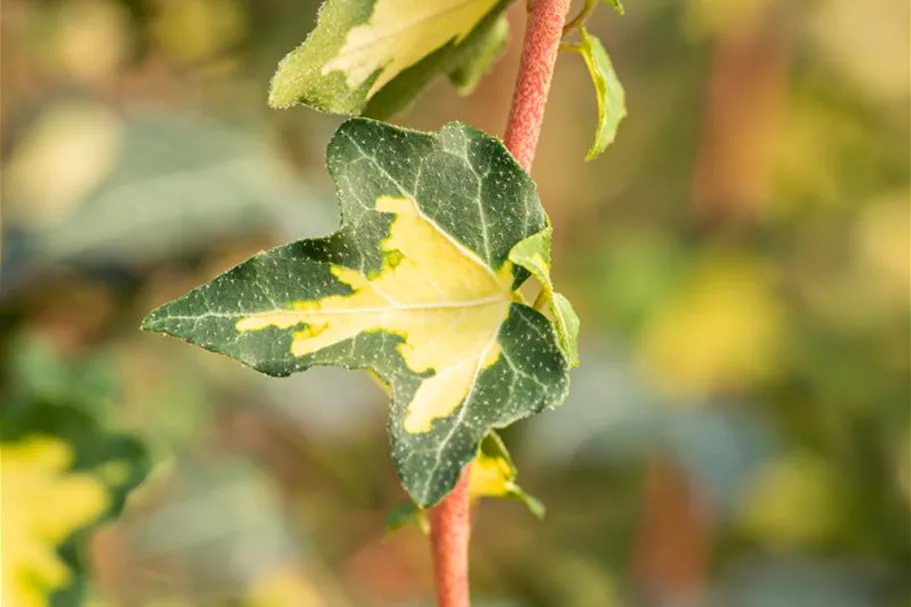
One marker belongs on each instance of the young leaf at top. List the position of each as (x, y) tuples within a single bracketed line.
[(609, 92), (416, 286), (465, 64), (389, 49)]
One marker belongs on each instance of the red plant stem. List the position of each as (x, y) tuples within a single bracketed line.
[(450, 520), (539, 54), (450, 528)]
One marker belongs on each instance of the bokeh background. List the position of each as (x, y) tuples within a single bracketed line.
[(738, 434)]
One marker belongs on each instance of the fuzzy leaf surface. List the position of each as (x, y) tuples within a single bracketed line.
[(388, 49), (610, 94), (416, 286)]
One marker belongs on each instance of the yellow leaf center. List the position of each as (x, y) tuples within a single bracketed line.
[(402, 32), (441, 298)]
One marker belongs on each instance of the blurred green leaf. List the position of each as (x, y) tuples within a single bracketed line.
[(37, 372), (179, 183), (478, 53)]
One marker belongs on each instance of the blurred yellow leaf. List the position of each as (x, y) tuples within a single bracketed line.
[(885, 242), (794, 501), (70, 150), (711, 17), (93, 39), (868, 41), (813, 138), (282, 587), (169, 602), (41, 505), (195, 30), (721, 328), (573, 580)]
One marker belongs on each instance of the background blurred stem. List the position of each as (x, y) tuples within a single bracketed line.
[(450, 519)]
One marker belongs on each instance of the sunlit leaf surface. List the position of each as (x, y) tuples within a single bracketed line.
[(417, 286)]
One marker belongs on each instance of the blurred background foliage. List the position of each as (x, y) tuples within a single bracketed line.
[(739, 431)]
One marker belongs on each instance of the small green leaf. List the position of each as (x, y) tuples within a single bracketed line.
[(360, 48), (618, 6), (568, 327), (609, 91), (533, 254), (416, 285), (407, 513), (494, 475)]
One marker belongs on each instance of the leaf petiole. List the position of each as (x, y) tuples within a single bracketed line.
[(580, 18)]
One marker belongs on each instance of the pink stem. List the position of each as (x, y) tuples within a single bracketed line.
[(450, 528), (450, 520), (539, 54)]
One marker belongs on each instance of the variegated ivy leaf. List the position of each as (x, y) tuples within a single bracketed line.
[(608, 90), (416, 286), (385, 51)]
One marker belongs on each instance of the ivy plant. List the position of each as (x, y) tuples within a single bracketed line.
[(420, 284)]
